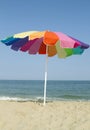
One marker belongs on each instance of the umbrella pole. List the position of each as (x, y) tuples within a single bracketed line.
[(45, 82)]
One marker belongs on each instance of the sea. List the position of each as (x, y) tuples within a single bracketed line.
[(33, 90)]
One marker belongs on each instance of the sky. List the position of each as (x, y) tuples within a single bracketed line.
[(71, 17)]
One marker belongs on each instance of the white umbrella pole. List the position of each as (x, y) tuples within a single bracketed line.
[(45, 82)]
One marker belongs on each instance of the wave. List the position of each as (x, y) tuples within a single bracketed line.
[(19, 99), (40, 99), (3, 98), (34, 99)]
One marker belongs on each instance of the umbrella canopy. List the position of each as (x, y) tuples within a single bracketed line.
[(35, 42), (46, 42)]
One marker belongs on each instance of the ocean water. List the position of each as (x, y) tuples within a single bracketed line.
[(27, 90)]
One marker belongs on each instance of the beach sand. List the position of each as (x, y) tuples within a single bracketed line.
[(59, 115)]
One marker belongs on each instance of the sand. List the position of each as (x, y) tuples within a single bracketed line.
[(60, 115)]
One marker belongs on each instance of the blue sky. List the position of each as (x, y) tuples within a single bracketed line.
[(68, 16)]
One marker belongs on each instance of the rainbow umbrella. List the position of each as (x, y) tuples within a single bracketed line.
[(46, 42)]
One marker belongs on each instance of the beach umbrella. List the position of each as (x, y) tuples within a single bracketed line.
[(46, 42)]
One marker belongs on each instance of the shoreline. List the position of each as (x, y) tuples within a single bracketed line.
[(56, 115), (47, 102)]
